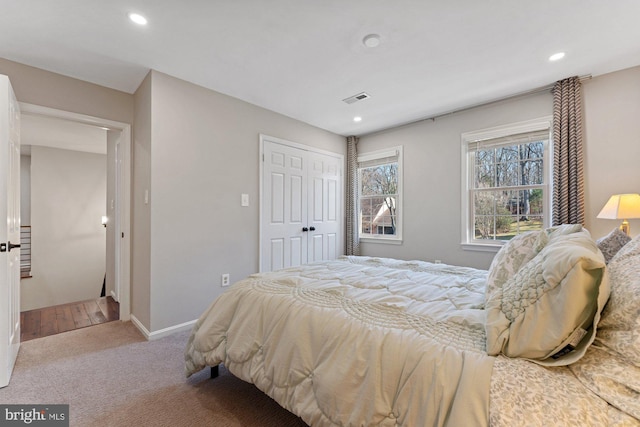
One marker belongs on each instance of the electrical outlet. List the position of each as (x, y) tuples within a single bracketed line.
[(225, 280)]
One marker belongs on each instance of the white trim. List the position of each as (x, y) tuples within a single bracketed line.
[(385, 240), (151, 336), (123, 280), (542, 123), (479, 247), (382, 154)]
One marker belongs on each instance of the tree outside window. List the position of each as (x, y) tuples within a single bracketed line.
[(379, 199), (508, 190)]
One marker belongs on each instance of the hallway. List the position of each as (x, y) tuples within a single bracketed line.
[(66, 317)]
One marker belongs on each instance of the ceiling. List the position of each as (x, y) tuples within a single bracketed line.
[(62, 134), (301, 58)]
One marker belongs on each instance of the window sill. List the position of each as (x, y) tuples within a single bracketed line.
[(481, 247), (381, 240)]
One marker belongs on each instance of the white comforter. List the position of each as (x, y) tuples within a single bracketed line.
[(364, 341), (356, 342)]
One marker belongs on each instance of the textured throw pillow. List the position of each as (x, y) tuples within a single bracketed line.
[(513, 255), (619, 329), (610, 244), (547, 312), (520, 250)]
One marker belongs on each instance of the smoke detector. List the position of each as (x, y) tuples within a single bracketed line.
[(358, 97)]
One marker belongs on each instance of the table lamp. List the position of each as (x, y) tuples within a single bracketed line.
[(622, 206)]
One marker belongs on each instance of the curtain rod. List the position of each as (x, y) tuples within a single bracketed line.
[(482, 104)]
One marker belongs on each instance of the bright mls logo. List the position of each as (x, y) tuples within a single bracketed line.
[(34, 415)]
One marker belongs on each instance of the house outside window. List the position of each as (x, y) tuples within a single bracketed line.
[(379, 198), (507, 187)]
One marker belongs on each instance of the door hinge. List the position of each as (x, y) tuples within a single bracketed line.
[(122, 235)]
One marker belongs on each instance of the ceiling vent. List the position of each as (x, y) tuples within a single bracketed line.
[(358, 97)]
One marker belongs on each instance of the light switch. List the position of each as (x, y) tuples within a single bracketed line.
[(245, 200)]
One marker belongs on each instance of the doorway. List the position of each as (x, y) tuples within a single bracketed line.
[(116, 204)]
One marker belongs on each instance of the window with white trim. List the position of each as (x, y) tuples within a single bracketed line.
[(507, 190), (379, 195)]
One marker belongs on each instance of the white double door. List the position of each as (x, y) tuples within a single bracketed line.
[(302, 205)]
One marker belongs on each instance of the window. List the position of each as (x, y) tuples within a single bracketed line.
[(379, 194), (507, 187)]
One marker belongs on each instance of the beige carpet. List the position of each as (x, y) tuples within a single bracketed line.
[(111, 376)]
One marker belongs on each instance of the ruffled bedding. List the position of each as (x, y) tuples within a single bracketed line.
[(357, 341), (367, 341)]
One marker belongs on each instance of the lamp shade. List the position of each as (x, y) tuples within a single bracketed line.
[(621, 206)]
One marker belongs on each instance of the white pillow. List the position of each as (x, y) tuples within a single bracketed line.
[(547, 312), (513, 255), (520, 250)]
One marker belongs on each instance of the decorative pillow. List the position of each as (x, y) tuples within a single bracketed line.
[(548, 311), (619, 329), (513, 255), (610, 244), (520, 250)]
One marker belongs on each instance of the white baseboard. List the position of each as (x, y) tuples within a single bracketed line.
[(150, 336)]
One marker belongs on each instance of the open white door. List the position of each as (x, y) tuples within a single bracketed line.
[(9, 230)]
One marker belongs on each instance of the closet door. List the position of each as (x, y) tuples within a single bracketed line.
[(284, 207), (325, 201), (301, 205)]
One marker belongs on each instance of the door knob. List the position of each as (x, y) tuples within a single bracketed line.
[(305, 229), (312, 228), (6, 247)]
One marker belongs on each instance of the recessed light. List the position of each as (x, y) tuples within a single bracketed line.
[(138, 19), (357, 119), (372, 40), (556, 56)]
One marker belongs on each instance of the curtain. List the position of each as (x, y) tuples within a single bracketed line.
[(568, 184), (352, 241)]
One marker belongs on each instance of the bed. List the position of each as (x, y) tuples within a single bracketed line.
[(549, 334)]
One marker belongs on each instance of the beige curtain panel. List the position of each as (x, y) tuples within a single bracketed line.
[(568, 183), (352, 240)]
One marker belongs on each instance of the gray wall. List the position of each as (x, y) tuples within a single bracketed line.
[(432, 179), (68, 190), (612, 144), (432, 165), (204, 153)]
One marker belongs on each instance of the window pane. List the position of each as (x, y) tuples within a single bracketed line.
[(378, 197), (507, 154), (506, 227), (365, 207), (484, 227), (384, 215), (532, 172), (507, 174), (536, 202), (485, 169), (484, 203), (366, 225), (379, 180), (508, 208)]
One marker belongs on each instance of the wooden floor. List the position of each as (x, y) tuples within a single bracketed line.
[(62, 318)]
